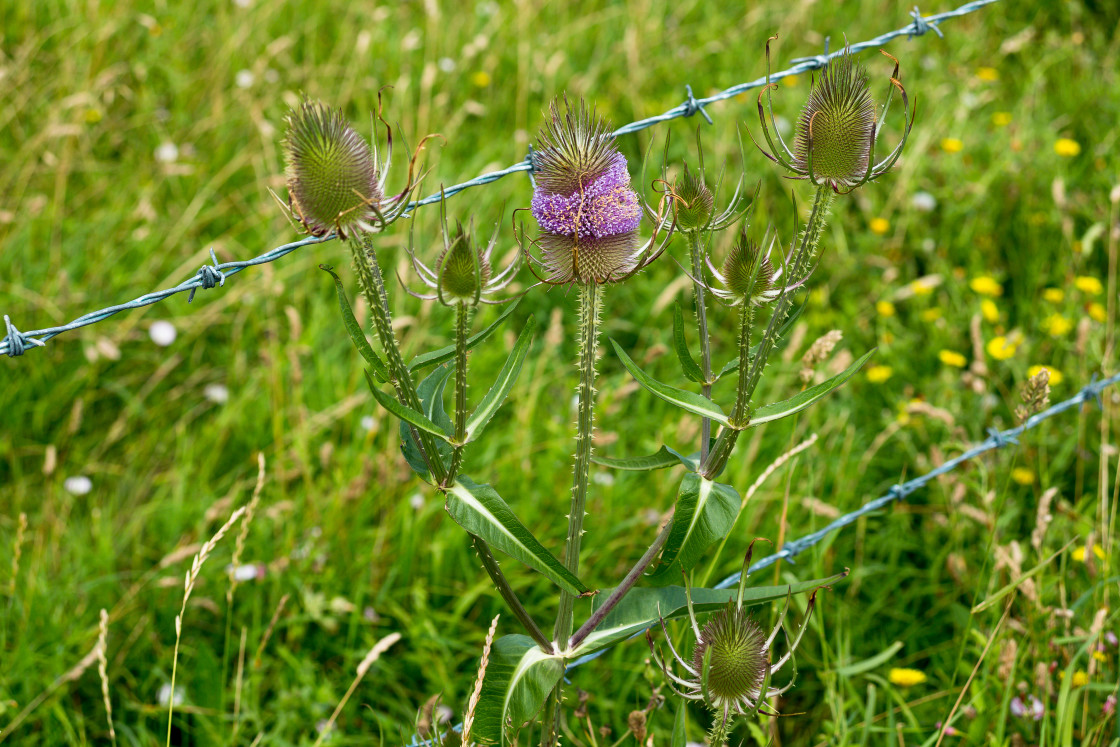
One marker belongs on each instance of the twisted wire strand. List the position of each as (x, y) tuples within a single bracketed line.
[(16, 342)]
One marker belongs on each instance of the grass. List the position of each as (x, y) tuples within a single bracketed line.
[(89, 216)]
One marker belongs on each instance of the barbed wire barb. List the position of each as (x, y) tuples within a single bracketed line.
[(16, 343)]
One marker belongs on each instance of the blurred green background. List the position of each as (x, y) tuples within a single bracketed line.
[(135, 137)]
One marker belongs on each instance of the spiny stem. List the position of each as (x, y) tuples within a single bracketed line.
[(373, 286), (589, 302), (499, 579), (620, 591), (705, 342), (741, 413), (748, 380), (462, 328)]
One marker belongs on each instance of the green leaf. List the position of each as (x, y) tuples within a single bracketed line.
[(643, 606), (689, 401), (448, 352), (518, 679), (406, 414), (430, 392), (704, 514), (506, 378), (785, 408), (660, 460), (688, 365), (482, 512), (679, 725), (733, 365), (380, 370)]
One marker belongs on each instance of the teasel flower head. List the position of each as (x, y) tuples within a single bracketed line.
[(837, 129), (335, 182), (463, 273), (732, 663), (749, 274), (587, 213), (694, 202)]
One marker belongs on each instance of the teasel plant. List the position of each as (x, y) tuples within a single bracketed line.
[(732, 666)]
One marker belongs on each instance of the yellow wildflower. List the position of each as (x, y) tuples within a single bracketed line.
[(885, 308), (932, 314), (989, 74), (93, 116), (1080, 679), (1066, 147), (1001, 119), (879, 226), (1097, 312), (1100, 656), (1054, 295), (952, 358), (986, 286), (1001, 348), (481, 78), (1088, 284), (879, 374), (1056, 325), (952, 145), (1055, 374), (989, 311), (790, 80), (920, 288), (1080, 553), (1022, 475), (906, 677)]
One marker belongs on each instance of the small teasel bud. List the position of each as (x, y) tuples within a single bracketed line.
[(463, 269), (694, 202), (735, 649), (587, 212), (747, 273), (837, 125), (332, 175)]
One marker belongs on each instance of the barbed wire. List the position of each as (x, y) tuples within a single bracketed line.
[(997, 439), (16, 342)]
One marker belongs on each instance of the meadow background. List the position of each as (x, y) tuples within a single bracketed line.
[(134, 137)]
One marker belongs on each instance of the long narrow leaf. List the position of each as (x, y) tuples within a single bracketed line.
[(704, 514), (785, 408), (430, 391), (661, 459), (689, 401), (406, 414), (506, 378), (380, 370), (518, 679), (688, 366), (448, 352), (642, 607), (482, 512)]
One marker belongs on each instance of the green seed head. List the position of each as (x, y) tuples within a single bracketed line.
[(332, 177), (463, 269), (695, 202), (738, 657), (746, 272), (837, 124)]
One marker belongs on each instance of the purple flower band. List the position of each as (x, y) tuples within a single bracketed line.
[(605, 207)]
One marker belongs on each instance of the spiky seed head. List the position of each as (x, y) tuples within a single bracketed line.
[(459, 278), (332, 176), (738, 656), (575, 147), (746, 272), (694, 202), (836, 126), (587, 212)]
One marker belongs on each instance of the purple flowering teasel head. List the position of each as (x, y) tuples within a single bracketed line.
[(583, 203), (837, 129)]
